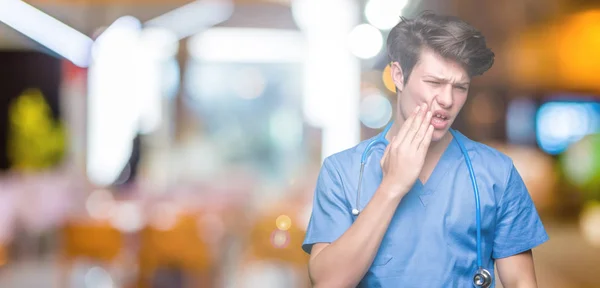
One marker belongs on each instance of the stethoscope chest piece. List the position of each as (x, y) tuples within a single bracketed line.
[(482, 278)]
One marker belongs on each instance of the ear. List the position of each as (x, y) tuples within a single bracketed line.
[(397, 75)]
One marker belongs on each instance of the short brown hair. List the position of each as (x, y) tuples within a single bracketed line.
[(448, 36)]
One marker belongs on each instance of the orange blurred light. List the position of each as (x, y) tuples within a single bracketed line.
[(387, 79), (578, 50), (283, 222), (558, 55)]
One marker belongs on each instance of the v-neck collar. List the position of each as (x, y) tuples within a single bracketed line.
[(427, 189)]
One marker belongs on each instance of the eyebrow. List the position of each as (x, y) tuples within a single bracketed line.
[(439, 79)]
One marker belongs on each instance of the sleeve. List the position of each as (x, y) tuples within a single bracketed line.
[(331, 215), (518, 227)]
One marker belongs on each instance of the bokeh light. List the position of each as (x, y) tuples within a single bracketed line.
[(365, 41), (581, 163), (100, 204), (384, 14), (280, 239), (283, 222), (127, 217), (590, 223), (375, 111), (560, 124), (97, 277)]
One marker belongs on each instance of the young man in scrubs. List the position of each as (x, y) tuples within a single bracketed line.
[(416, 226)]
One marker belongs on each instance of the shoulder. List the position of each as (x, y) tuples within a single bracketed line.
[(347, 158), (495, 161)]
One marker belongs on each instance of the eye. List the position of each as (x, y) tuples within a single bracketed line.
[(435, 83), (461, 88)]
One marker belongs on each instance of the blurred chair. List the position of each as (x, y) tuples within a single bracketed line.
[(177, 248), (93, 240)]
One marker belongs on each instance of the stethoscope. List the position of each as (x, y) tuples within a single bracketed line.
[(482, 277)]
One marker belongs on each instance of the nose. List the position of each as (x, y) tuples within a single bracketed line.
[(445, 98)]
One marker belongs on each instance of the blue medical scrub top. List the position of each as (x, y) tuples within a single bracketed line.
[(431, 240)]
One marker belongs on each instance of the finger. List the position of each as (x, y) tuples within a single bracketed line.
[(422, 129), (385, 154), (415, 125), (406, 125), (427, 139)]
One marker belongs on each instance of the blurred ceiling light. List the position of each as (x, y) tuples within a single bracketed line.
[(247, 45), (196, 16), (365, 41), (331, 73), (375, 111), (324, 15), (112, 100), (384, 14), (49, 32), (159, 43)]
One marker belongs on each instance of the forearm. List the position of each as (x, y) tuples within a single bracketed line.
[(517, 271), (344, 262), (526, 283), (522, 280)]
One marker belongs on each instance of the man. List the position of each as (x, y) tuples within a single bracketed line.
[(416, 226)]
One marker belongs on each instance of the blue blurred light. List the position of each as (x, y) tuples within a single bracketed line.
[(559, 124)]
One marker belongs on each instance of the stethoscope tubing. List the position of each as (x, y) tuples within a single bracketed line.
[(381, 140)]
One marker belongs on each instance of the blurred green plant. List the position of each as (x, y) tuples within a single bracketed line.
[(35, 140)]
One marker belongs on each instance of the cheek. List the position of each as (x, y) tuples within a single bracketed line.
[(412, 98), (459, 102)]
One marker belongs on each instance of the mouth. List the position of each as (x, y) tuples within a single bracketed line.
[(440, 120), (440, 116)]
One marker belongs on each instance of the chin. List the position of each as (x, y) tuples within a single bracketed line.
[(438, 135)]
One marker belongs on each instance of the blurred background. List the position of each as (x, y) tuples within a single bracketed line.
[(148, 143)]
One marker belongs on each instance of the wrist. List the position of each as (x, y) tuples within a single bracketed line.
[(392, 189)]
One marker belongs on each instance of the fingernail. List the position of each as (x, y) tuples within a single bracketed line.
[(418, 108), (428, 114)]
